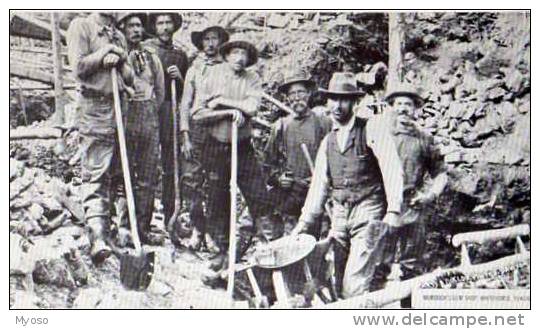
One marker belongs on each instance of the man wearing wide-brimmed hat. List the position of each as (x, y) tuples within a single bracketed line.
[(419, 157), (289, 171), (358, 169), (208, 41), (175, 64), (94, 47), (142, 135), (231, 92)]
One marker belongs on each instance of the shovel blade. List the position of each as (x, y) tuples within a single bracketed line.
[(136, 271)]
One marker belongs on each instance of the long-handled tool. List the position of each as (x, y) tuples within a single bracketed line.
[(177, 200), (233, 192), (135, 270)]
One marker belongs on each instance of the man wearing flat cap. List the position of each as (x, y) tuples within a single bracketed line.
[(142, 135), (230, 92), (95, 45), (290, 173), (419, 158), (208, 41), (175, 64), (358, 169)]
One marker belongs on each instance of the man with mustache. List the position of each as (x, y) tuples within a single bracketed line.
[(142, 121), (419, 158), (175, 64), (230, 92), (207, 41), (290, 173), (358, 169), (94, 47)]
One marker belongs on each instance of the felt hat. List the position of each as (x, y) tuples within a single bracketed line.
[(344, 84), (296, 76), (238, 43), (406, 90), (197, 36), (121, 17)]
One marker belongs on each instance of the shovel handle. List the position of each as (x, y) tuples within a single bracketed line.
[(125, 162), (233, 191)]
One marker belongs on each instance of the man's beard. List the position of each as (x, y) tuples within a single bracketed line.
[(299, 107), (165, 36)]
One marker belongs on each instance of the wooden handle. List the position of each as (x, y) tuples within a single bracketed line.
[(125, 162), (308, 157), (279, 104), (175, 142), (490, 235), (233, 191)]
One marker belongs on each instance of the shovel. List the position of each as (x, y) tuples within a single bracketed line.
[(177, 200), (233, 191), (135, 270)]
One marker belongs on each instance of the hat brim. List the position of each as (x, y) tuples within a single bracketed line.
[(253, 54), (341, 93), (142, 16), (197, 36), (414, 96), (177, 21), (284, 86)]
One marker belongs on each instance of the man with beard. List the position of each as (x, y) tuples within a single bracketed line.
[(290, 173), (142, 121), (175, 64), (419, 159), (94, 47), (230, 92), (207, 41), (358, 168)]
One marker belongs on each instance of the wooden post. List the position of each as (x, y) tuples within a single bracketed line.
[(395, 35), (58, 69)]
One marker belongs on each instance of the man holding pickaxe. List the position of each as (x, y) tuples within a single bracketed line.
[(290, 172), (230, 92), (142, 136), (94, 47), (175, 64), (208, 41)]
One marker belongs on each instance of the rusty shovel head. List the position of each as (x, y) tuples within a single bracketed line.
[(136, 271)]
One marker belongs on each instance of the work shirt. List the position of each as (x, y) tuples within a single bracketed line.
[(148, 81), (379, 140), (283, 150), (419, 157), (194, 78), (169, 56), (85, 37), (223, 81)]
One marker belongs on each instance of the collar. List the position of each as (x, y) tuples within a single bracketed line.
[(212, 60), (347, 127)]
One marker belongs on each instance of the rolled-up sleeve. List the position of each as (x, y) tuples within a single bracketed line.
[(381, 142), (81, 60), (319, 187)]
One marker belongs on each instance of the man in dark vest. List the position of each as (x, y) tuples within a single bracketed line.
[(175, 64), (290, 173), (94, 47), (419, 158), (358, 169), (142, 135)]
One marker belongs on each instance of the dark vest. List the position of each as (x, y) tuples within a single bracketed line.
[(355, 174)]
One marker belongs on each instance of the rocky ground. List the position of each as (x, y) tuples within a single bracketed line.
[(474, 73)]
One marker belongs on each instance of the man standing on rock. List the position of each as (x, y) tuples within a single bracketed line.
[(230, 92), (142, 136), (175, 64), (419, 159), (290, 173), (358, 168), (94, 47), (208, 42)]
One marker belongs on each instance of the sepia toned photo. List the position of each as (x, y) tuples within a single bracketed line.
[(269, 159)]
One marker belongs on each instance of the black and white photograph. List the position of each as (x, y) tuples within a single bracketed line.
[(269, 159)]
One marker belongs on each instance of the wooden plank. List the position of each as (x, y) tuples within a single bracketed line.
[(31, 73), (26, 25), (59, 97)]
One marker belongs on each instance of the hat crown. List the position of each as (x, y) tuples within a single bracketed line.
[(342, 82)]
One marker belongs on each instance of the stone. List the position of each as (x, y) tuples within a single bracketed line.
[(53, 272), (495, 93), (88, 298)]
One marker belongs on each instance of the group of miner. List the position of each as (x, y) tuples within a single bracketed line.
[(371, 173)]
